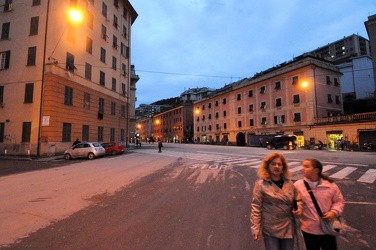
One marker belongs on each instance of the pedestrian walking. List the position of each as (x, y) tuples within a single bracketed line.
[(160, 145)]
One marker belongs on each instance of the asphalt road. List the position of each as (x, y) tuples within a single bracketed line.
[(161, 202)]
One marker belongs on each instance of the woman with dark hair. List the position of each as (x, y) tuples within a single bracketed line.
[(329, 199), (272, 204)]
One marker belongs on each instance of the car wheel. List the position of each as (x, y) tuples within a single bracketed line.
[(269, 147), (91, 156), (113, 152), (67, 157)]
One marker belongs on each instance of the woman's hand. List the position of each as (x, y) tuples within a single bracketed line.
[(329, 215), (256, 237)]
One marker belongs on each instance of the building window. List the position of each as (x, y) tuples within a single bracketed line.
[(277, 85), (34, 25), (112, 134), (31, 56), (297, 117), (224, 101), (239, 110), (115, 21), (103, 55), (124, 33), (104, 9), (216, 115), (328, 80), (209, 116), (114, 62), (125, 13), (26, 131), (100, 133), (123, 69), (250, 108), (338, 101), (102, 78), (36, 2), (113, 84), (4, 60), (70, 62), (278, 102), (86, 101), (68, 96), (101, 105), (8, 5), (263, 105), (262, 90), (123, 89), (1, 131), (114, 42), (296, 99), (90, 20), (224, 125), (89, 45), (224, 113), (67, 128), (87, 71), (124, 50), (122, 134), (251, 122), (239, 124), (29, 93), (122, 111), (250, 93), (263, 121), (104, 32), (336, 82), (116, 3), (239, 97), (295, 80), (113, 108), (1, 95), (330, 100), (5, 31), (209, 105), (279, 119), (85, 132)]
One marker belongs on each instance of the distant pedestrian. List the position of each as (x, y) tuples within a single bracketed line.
[(76, 142), (261, 140), (160, 145)]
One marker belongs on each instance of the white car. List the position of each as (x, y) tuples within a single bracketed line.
[(85, 150)]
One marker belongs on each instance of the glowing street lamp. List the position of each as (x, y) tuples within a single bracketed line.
[(304, 84), (75, 16)]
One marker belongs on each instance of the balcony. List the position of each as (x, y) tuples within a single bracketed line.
[(362, 117)]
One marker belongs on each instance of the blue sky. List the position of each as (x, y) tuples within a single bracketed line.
[(182, 44)]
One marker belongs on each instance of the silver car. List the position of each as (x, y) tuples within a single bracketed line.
[(85, 150)]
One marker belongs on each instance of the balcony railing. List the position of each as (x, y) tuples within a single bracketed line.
[(371, 116)]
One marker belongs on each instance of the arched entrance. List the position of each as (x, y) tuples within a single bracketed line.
[(240, 139)]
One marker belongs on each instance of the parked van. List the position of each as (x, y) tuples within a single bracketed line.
[(282, 141)]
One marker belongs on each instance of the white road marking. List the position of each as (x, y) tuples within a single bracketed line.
[(369, 176), (343, 173)]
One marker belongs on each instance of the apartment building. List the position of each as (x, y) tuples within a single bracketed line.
[(174, 125), (61, 80), (370, 25), (286, 99), (352, 55)]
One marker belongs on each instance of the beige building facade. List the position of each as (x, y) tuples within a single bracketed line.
[(293, 98), (61, 80)]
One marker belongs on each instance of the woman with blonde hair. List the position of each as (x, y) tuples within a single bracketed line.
[(273, 204)]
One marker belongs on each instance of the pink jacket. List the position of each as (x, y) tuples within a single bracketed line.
[(329, 198)]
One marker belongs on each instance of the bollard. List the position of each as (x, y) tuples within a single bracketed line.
[(5, 151), (28, 152)]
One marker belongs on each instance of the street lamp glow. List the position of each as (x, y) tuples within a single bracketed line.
[(75, 15), (304, 84)]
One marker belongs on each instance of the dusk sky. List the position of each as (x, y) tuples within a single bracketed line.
[(183, 44)]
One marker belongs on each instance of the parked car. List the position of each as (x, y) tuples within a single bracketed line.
[(282, 141), (113, 148), (85, 150)]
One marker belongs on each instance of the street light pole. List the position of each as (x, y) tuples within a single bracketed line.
[(43, 80)]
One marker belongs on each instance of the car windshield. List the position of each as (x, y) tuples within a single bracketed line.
[(97, 145)]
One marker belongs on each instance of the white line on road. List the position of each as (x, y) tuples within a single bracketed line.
[(343, 172), (369, 176)]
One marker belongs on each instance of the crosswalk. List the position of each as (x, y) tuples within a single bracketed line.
[(361, 173)]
